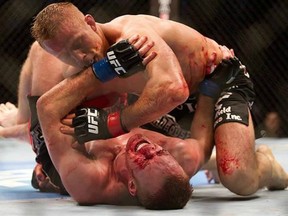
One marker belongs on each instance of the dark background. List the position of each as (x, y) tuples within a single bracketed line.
[(256, 30)]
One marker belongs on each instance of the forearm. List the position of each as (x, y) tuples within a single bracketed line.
[(197, 149), (202, 126), (141, 113), (154, 102), (57, 103), (67, 95), (165, 88)]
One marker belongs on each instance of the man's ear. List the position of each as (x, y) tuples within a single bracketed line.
[(132, 187), (90, 21)]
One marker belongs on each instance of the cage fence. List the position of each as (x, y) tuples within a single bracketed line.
[(257, 31)]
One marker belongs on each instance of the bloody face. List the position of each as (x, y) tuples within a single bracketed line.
[(149, 163)]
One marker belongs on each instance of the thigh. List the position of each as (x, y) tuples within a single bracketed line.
[(235, 146), (234, 134)]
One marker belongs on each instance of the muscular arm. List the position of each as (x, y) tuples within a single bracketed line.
[(74, 167), (194, 152), (165, 88), (202, 127), (190, 153)]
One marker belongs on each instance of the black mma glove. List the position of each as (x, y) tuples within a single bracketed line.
[(122, 60), (92, 124), (223, 75)]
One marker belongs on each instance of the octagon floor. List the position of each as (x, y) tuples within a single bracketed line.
[(17, 197)]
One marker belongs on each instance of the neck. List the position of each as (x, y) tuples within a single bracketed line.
[(120, 168), (122, 177)]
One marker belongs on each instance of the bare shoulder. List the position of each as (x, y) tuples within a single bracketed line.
[(35, 47), (141, 21), (132, 18), (36, 50)]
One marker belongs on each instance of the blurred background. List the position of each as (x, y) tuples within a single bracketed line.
[(256, 30)]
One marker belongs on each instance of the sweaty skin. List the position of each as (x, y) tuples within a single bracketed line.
[(109, 171), (182, 65), (182, 61), (39, 73)]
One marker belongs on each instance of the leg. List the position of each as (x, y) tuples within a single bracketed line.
[(279, 178), (241, 169)]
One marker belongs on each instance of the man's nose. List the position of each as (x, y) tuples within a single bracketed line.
[(85, 58), (79, 55)]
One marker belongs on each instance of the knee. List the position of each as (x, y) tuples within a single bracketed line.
[(239, 181)]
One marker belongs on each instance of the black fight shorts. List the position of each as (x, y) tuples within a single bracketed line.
[(235, 101)]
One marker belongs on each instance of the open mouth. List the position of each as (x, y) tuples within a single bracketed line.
[(136, 143), (140, 145)]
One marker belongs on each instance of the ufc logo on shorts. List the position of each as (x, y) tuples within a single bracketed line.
[(92, 121), (115, 63)]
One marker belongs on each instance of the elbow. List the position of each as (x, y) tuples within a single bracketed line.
[(42, 107), (179, 92), (186, 156), (47, 121), (190, 167)]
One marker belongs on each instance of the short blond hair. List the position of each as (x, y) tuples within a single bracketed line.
[(46, 23)]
